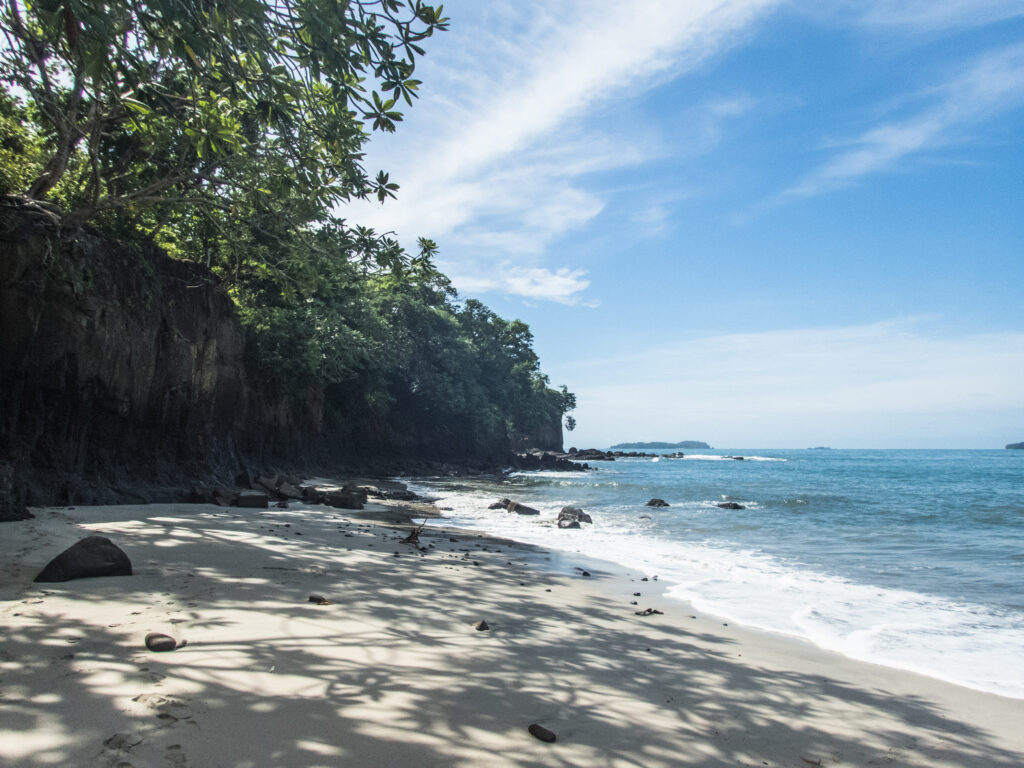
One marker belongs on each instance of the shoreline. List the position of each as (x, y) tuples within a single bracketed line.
[(764, 568), (393, 672)]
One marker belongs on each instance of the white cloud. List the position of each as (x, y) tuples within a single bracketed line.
[(994, 84), (561, 285), (784, 388), (497, 161), (934, 14)]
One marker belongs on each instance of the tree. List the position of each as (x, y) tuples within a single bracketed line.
[(185, 102)]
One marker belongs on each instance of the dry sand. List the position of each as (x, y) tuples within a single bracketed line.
[(393, 673)]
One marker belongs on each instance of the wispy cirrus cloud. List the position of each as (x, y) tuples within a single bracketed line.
[(935, 14), (527, 110), (993, 84)]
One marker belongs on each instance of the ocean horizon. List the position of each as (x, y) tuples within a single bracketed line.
[(910, 558)]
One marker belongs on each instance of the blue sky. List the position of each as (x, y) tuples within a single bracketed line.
[(751, 222)]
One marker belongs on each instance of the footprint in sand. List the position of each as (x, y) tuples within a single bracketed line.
[(175, 755), (168, 710)]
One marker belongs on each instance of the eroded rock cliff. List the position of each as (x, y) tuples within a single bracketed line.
[(112, 357)]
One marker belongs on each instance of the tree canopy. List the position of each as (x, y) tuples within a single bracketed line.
[(231, 132), (181, 101)]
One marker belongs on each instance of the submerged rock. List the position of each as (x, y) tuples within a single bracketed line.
[(91, 557), (730, 505), (657, 503)]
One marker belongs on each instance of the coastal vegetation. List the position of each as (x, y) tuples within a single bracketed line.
[(231, 135)]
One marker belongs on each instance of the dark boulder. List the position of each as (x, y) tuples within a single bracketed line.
[(730, 505), (500, 504), (289, 491), (225, 497), (313, 495), (343, 499), (91, 557), (349, 496), (571, 517), (657, 503), (521, 509)]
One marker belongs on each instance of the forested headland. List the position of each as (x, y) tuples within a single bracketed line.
[(180, 286)]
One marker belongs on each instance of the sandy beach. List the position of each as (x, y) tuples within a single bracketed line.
[(393, 672)]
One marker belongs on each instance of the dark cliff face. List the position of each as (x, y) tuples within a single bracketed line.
[(111, 356), (121, 366), (547, 436)]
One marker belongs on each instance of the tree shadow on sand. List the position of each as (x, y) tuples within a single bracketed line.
[(392, 673)]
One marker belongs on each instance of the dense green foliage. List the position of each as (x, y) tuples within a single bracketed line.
[(229, 133)]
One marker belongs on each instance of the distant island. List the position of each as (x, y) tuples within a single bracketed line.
[(682, 444), (1017, 446)]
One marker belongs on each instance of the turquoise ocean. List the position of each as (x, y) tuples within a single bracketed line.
[(912, 559)]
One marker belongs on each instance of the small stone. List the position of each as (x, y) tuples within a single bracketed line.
[(636, 594), (542, 733), (319, 600), (644, 579), (160, 643), (481, 626), (648, 612)]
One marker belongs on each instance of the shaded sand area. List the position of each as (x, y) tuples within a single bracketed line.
[(392, 672)]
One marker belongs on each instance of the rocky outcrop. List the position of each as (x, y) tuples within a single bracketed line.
[(656, 503), (1016, 446), (546, 460)]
